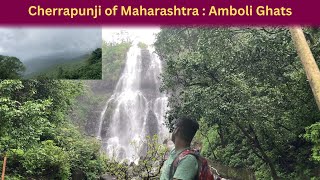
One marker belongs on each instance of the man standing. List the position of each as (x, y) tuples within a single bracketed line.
[(187, 168)]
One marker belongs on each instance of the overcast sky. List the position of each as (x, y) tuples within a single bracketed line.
[(141, 34), (26, 43)]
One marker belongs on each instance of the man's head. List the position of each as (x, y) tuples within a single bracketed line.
[(184, 130)]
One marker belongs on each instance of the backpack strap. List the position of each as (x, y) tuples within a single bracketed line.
[(177, 160)]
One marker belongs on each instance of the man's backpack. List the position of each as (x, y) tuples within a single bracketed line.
[(204, 171)]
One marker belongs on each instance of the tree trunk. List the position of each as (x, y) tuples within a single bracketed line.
[(268, 161), (308, 61), (256, 144), (4, 167)]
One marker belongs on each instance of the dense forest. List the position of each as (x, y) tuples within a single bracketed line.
[(249, 91), (36, 135), (90, 67)]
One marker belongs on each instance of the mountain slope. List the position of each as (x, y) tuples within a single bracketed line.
[(43, 63)]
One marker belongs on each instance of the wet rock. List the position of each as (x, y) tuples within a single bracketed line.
[(107, 177)]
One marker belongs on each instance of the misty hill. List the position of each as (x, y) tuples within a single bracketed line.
[(52, 71), (85, 67), (43, 63)]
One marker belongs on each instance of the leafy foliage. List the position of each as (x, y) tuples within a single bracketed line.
[(313, 135), (10, 67), (147, 168), (46, 158), (249, 92), (91, 69), (142, 45), (36, 136)]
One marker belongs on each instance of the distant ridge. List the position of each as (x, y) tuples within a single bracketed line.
[(42, 63)]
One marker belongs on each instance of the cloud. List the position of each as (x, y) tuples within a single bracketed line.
[(26, 43)]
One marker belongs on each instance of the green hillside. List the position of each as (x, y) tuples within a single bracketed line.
[(86, 67), (52, 71)]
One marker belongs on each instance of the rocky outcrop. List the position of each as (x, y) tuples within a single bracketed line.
[(107, 177)]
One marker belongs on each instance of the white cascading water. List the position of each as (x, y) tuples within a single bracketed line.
[(136, 109)]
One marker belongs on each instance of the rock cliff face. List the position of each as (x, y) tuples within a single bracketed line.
[(87, 109), (103, 90), (107, 177)]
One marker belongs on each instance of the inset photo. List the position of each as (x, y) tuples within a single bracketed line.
[(50, 52)]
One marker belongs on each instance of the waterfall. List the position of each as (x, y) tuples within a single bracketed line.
[(136, 109)]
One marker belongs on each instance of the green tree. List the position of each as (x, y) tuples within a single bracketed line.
[(142, 45), (38, 138), (313, 135), (250, 91), (95, 57), (10, 67), (92, 69), (148, 167)]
